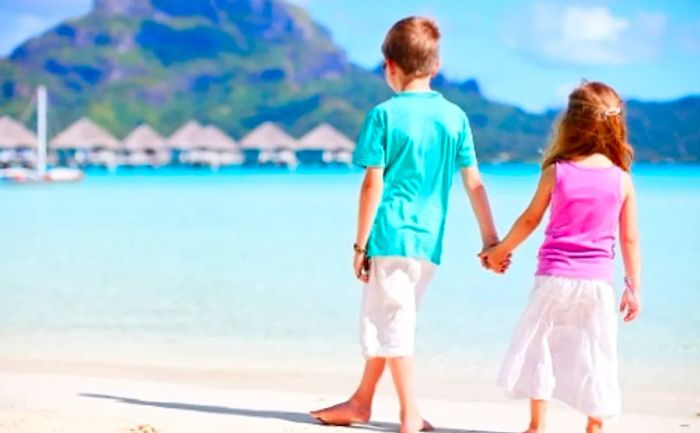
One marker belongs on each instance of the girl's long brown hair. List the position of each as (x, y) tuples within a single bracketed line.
[(593, 122)]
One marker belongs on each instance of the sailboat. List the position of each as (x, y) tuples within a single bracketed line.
[(41, 173)]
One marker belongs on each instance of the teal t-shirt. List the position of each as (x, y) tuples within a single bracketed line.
[(421, 140)]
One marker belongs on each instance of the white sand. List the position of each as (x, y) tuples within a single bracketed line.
[(38, 403)]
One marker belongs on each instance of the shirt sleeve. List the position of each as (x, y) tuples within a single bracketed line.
[(466, 155), (371, 143)]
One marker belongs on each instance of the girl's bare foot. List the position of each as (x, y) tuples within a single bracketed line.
[(343, 414), (595, 425), (415, 425)]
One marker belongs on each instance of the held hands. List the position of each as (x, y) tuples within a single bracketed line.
[(495, 258)]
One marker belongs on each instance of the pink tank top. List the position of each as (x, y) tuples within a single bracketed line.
[(583, 223)]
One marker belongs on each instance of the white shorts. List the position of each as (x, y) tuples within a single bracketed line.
[(389, 305), (565, 347)]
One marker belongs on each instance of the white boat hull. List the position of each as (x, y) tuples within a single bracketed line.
[(23, 175)]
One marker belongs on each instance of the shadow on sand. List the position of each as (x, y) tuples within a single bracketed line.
[(295, 417)]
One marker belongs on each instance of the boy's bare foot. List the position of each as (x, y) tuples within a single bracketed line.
[(343, 414)]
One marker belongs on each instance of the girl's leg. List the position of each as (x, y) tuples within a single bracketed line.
[(359, 407), (538, 413), (595, 425)]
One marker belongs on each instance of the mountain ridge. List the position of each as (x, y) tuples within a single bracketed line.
[(237, 63)]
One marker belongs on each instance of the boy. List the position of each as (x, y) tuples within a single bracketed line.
[(410, 145)]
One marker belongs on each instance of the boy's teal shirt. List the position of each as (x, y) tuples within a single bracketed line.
[(420, 139)]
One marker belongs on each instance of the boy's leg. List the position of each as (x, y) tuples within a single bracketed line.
[(595, 425), (538, 413), (359, 407), (389, 305), (402, 373)]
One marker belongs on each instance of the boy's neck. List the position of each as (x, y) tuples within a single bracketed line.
[(417, 85)]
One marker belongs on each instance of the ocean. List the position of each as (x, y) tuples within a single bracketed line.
[(253, 268)]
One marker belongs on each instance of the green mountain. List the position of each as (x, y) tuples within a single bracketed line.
[(236, 63)]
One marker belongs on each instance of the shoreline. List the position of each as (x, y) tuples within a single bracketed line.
[(88, 404), (489, 167), (648, 400)]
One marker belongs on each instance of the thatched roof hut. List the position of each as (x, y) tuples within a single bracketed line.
[(144, 138), (326, 137), (84, 134), (14, 135), (213, 138), (187, 137), (267, 137)]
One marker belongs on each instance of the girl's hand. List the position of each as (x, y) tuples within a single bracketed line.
[(630, 305), (360, 265), (496, 259), (483, 257)]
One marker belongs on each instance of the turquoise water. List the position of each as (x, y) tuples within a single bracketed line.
[(249, 268)]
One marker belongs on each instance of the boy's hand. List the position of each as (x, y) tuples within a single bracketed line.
[(630, 305), (496, 259), (360, 265), (487, 246)]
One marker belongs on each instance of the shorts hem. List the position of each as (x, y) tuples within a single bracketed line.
[(384, 353)]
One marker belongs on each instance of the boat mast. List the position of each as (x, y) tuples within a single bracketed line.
[(41, 130)]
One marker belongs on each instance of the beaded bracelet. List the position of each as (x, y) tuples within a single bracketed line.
[(630, 286), (358, 249)]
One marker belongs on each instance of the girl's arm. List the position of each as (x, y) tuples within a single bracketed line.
[(629, 244), (480, 205), (370, 196), (527, 222)]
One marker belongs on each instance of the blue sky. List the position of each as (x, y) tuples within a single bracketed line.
[(526, 52)]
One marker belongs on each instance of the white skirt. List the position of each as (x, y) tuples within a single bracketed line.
[(565, 347)]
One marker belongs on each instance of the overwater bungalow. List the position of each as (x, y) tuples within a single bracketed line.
[(17, 143), (145, 147), (199, 145), (269, 144), (184, 140), (325, 145), (216, 149), (85, 143)]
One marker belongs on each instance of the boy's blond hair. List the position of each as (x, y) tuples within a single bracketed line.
[(413, 43)]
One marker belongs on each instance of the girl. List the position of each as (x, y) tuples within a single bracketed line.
[(564, 345)]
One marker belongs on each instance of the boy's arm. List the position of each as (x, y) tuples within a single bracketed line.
[(629, 244), (480, 204), (528, 221), (370, 196)]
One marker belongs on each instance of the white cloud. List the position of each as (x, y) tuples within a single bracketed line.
[(585, 35), (596, 24)]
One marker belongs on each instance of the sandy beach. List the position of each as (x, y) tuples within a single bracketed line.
[(122, 323), (100, 401)]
